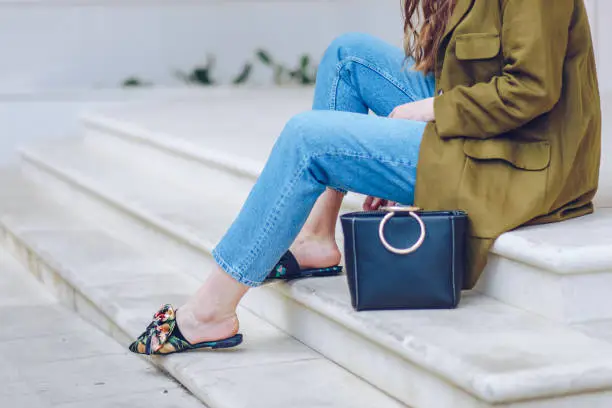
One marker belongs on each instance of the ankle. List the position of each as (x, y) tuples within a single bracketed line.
[(211, 327), (207, 315), (316, 252)]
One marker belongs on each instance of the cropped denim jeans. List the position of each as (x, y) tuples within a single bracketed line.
[(337, 145)]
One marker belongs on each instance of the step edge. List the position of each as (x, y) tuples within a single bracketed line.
[(99, 193), (512, 247), (483, 386), (161, 141)]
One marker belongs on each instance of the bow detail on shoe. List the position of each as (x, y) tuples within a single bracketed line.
[(157, 333)]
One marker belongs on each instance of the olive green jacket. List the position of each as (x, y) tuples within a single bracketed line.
[(517, 134)]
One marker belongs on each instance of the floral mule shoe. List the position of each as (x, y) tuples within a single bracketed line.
[(163, 336)]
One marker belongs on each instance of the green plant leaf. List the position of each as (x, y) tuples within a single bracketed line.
[(134, 82), (244, 74), (264, 57), (201, 75), (131, 82)]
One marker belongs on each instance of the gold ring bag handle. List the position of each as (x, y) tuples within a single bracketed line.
[(413, 214)]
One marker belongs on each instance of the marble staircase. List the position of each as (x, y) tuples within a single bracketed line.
[(149, 189)]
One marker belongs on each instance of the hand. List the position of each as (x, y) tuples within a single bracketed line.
[(422, 111), (374, 203)]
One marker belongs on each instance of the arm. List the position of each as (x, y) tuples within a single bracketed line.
[(534, 43)]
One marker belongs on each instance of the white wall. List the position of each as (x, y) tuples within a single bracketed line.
[(60, 44), (68, 44), (58, 54)]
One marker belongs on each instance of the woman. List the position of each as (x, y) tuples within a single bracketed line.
[(499, 107)]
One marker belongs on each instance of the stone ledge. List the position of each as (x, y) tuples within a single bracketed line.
[(580, 245)]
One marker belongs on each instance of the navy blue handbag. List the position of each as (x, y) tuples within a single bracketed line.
[(427, 274)]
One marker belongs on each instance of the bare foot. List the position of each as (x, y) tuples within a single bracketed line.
[(316, 252), (210, 328)]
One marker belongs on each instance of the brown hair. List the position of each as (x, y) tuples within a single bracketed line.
[(431, 16)]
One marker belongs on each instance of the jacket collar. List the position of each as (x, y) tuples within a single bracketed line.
[(461, 9)]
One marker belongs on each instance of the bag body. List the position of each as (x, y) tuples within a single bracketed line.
[(401, 258)]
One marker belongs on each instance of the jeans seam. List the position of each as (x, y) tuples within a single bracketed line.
[(349, 153), (334, 89), (373, 68)]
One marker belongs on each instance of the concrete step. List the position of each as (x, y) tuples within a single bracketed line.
[(484, 354), (562, 272), (53, 358), (117, 287)]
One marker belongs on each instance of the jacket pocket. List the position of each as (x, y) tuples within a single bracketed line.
[(533, 156), (504, 183), (477, 46)]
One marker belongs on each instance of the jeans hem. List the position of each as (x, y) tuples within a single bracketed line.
[(232, 272)]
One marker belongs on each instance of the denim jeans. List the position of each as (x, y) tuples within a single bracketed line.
[(337, 145)]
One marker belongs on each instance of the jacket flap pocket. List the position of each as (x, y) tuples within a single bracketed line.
[(476, 46), (523, 155)]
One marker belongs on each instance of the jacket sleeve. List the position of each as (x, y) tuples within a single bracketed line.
[(534, 41)]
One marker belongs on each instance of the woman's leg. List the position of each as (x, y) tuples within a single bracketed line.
[(317, 149), (358, 73), (366, 154)]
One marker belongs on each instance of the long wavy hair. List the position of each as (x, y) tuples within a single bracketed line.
[(424, 24)]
